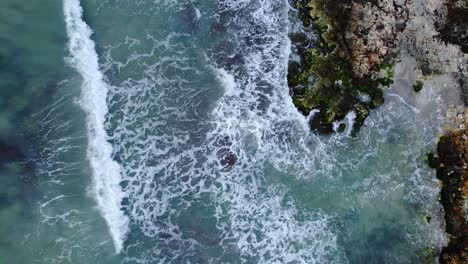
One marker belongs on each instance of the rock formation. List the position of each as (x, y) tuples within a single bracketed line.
[(351, 64), (451, 162)]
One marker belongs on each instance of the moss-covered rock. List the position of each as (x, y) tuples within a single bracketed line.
[(427, 219), (429, 255), (362, 112), (341, 128), (417, 86), (326, 78)]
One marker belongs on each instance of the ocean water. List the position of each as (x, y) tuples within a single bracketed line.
[(163, 132)]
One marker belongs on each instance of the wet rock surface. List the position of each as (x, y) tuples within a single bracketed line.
[(359, 41), (454, 27), (451, 162), (353, 59), (430, 39), (371, 33), (347, 69)]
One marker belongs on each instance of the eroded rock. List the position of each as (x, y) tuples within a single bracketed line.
[(451, 163), (351, 61)]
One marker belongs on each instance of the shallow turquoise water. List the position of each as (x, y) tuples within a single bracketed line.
[(193, 86)]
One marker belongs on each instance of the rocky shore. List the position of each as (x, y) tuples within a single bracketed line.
[(351, 61), (350, 64), (451, 162), (346, 68)]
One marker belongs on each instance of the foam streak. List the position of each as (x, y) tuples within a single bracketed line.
[(106, 172)]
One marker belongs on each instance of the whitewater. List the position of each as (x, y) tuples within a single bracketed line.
[(169, 136), (106, 172)]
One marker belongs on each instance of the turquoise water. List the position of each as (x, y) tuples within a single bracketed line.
[(168, 136)]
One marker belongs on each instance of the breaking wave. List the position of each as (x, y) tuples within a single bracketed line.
[(209, 145), (106, 172)]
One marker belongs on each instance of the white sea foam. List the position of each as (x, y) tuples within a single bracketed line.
[(171, 152), (312, 114), (257, 115), (171, 140), (106, 172)]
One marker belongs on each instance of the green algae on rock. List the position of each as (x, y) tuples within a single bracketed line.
[(348, 67), (417, 87), (345, 71)]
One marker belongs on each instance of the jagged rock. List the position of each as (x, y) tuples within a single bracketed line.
[(346, 65), (454, 26), (371, 34), (358, 37), (451, 163)]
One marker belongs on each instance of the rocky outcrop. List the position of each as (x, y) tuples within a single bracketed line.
[(453, 28), (351, 62), (422, 40), (359, 42), (371, 32), (451, 162), (434, 37)]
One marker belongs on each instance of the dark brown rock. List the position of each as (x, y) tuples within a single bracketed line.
[(451, 164), (454, 28)]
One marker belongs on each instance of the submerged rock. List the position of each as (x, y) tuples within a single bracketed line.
[(417, 87), (227, 157), (341, 128)]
